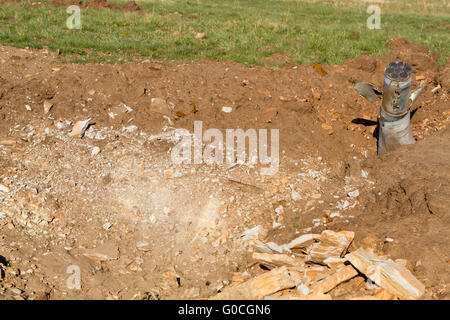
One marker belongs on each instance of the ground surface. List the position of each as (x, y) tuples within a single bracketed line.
[(173, 231), (253, 32)]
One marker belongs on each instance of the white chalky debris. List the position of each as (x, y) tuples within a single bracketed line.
[(364, 174), (95, 151), (295, 196), (353, 194), (4, 188), (227, 109), (107, 225), (130, 129)]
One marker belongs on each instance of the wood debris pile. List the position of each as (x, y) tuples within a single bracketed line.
[(311, 266)]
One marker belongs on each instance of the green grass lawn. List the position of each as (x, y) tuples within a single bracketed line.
[(246, 31)]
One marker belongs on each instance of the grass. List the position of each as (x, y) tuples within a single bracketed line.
[(241, 30)]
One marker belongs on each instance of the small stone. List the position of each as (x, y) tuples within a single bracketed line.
[(16, 291), (364, 174), (268, 115), (420, 77), (47, 106), (159, 105), (79, 128), (130, 129), (27, 107), (4, 188), (104, 252), (107, 225), (200, 35), (143, 246), (95, 151), (353, 194), (227, 109), (295, 196)]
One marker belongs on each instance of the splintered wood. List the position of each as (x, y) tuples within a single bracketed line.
[(312, 266)]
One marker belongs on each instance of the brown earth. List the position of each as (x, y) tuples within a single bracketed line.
[(173, 231)]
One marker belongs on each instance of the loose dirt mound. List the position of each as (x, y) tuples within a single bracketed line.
[(138, 226)]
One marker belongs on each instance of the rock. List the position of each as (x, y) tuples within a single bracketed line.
[(316, 93), (119, 110), (295, 196), (8, 142), (263, 285), (143, 246), (421, 77), (389, 275), (28, 107), (200, 35), (269, 247), (159, 105), (4, 188), (345, 274), (251, 234), (95, 151), (332, 245), (79, 128), (16, 291), (271, 260), (227, 109), (312, 296), (47, 106), (130, 129), (302, 242), (268, 115), (107, 225), (368, 91), (104, 252), (334, 263)]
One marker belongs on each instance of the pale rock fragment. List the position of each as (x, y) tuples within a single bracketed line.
[(302, 242), (332, 245), (95, 151), (79, 128), (334, 280), (159, 105), (259, 287), (389, 275), (269, 247), (47, 106), (4, 188), (104, 252), (271, 260)]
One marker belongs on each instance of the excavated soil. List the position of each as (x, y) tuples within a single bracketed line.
[(140, 227)]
